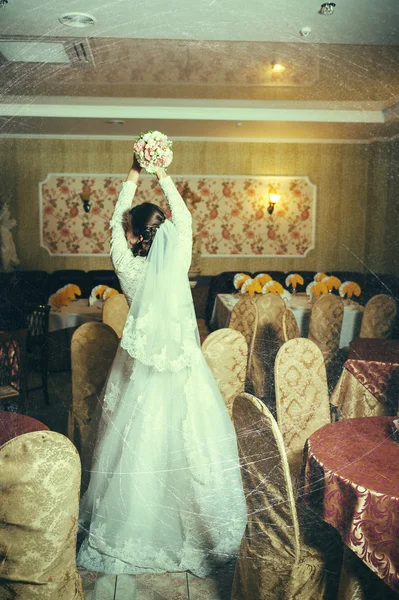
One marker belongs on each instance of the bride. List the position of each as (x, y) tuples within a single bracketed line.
[(165, 491)]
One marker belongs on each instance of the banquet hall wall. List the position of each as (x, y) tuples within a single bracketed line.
[(357, 189)]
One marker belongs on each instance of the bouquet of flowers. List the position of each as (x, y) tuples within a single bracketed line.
[(349, 288), (153, 151), (239, 280)]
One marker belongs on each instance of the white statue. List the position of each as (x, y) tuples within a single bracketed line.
[(9, 258)]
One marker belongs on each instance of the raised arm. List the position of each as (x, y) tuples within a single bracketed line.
[(121, 255), (181, 216)]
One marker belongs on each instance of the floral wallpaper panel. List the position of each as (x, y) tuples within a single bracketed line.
[(229, 213)]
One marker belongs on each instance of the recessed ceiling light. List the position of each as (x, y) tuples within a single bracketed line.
[(239, 124), (278, 67), (75, 19), (115, 122)]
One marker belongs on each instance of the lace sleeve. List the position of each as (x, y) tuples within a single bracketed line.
[(181, 218), (121, 255)]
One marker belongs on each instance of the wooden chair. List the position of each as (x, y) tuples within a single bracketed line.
[(13, 369), (226, 353), (37, 341), (39, 506), (274, 560), (115, 312), (93, 349), (301, 397), (379, 317)]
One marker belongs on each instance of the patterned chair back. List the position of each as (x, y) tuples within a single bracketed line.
[(271, 563), (244, 318), (290, 326), (115, 312), (226, 353), (39, 504), (93, 349), (325, 325), (302, 401), (38, 318), (268, 339), (379, 317)]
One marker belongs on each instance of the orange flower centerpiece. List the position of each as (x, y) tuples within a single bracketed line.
[(349, 289), (251, 287), (294, 280), (273, 287), (320, 276), (263, 278), (64, 295), (332, 282), (316, 288), (101, 292), (239, 280)]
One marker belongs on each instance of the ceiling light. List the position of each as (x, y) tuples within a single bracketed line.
[(75, 19), (115, 122), (327, 8), (278, 68)]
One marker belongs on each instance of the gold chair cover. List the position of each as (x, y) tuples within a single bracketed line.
[(226, 353), (325, 325), (301, 397), (290, 326), (93, 349), (269, 337), (39, 505), (244, 318), (379, 317), (115, 312), (273, 561)]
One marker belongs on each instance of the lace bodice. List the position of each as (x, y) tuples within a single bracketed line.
[(131, 269)]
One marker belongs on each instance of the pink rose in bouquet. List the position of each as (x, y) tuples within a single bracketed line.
[(153, 151)]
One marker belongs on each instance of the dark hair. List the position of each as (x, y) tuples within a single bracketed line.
[(145, 220)]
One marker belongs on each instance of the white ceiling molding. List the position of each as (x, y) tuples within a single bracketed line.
[(21, 136), (209, 110)]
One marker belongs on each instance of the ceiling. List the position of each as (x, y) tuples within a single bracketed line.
[(196, 70)]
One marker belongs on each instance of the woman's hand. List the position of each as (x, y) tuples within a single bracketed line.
[(160, 173), (136, 166), (134, 172)]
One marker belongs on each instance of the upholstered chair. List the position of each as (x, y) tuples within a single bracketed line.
[(268, 339), (39, 505), (244, 318), (379, 317), (301, 397), (115, 312), (274, 561), (290, 326), (325, 325), (93, 349), (226, 351)]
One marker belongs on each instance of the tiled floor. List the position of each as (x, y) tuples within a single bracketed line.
[(168, 586)]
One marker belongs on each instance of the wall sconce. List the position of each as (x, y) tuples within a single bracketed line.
[(274, 197), (277, 67), (85, 197)]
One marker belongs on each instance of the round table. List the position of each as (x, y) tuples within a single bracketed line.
[(13, 424), (352, 479), (75, 314)]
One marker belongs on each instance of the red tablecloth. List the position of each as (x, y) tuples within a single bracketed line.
[(375, 364), (352, 478), (12, 425)]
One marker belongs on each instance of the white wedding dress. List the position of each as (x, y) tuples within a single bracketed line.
[(165, 491)]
